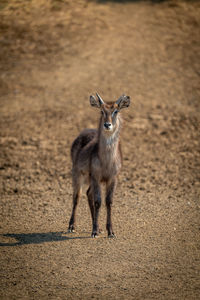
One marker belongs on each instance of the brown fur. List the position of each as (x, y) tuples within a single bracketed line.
[(96, 157)]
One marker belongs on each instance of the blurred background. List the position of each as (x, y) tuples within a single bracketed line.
[(53, 55)]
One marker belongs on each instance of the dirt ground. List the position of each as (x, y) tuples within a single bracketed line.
[(53, 55)]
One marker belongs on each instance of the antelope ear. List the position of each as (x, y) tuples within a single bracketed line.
[(123, 101), (94, 102)]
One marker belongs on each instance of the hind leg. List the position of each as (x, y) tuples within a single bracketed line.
[(76, 197), (96, 192), (110, 187), (91, 202)]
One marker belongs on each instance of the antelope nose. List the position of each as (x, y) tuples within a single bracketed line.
[(107, 125)]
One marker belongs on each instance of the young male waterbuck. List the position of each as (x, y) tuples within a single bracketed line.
[(96, 157)]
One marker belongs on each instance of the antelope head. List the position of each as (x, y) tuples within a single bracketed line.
[(110, 111)]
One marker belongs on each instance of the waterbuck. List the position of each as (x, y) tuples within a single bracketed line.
[(97, 158)]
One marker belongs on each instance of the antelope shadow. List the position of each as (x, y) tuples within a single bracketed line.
[(37, 238)]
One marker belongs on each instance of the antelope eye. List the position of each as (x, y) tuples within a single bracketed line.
[(115, 112)]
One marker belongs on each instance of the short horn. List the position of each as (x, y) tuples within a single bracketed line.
[(100, 99)]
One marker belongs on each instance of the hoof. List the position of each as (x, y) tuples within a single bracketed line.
[(111, 236), (94, 235), (71, 229)]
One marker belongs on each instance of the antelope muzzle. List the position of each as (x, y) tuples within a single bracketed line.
[(108, 126)]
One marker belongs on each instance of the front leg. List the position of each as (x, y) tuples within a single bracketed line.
[(97, 204), (110, 187)]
